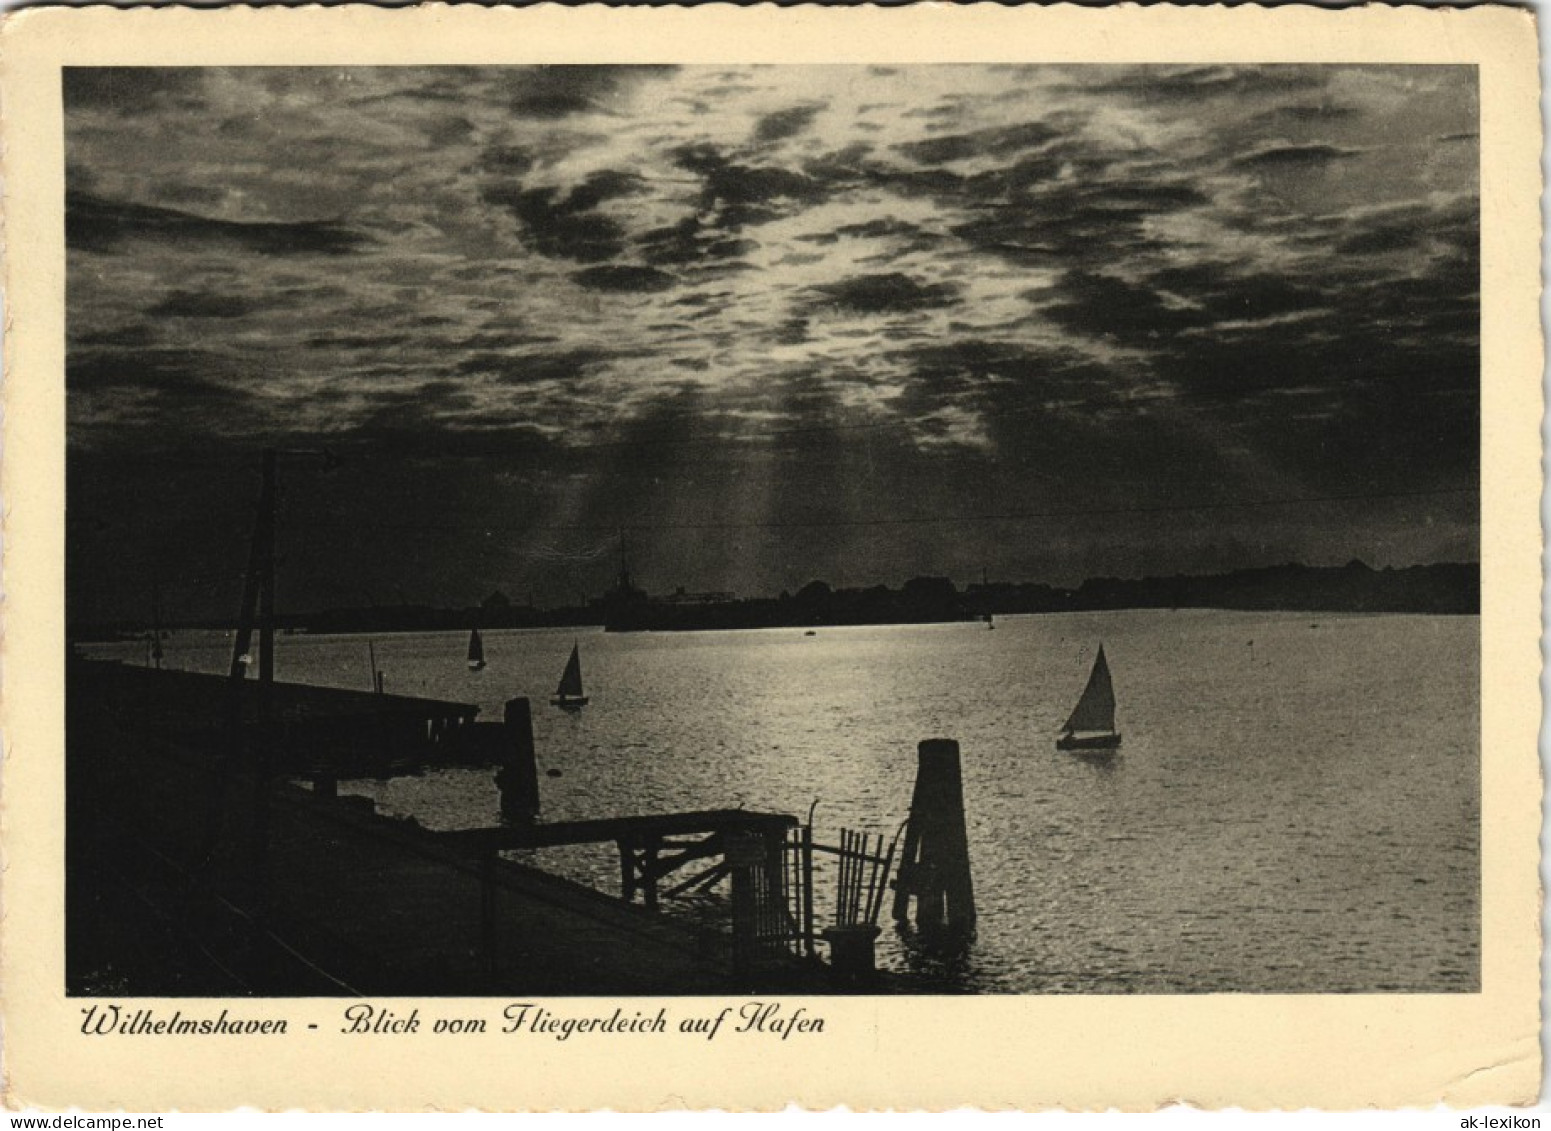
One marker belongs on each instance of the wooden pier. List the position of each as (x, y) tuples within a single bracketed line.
[(166, 894), (190, 818), (650, 847), (315, 731)]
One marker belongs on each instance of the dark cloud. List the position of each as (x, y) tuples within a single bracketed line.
[(1449, 229), (786, 123), (751, 184), (171, 368), (624, 277), (134, 336), (691, 241), (793, 332), (1104, 306), (493, 340), (158, 400), (886, 227), (884, 294), (994, 372), (1213, 329), (743, 194), (1290, 156), (568, 225), (1022, 177), (509, 160), (996, 142), (603, 185), (1098, 220), (421, 409), (175, 410), (729, 90), (450, 129), (129, 90), (204, 304), (721, 269), (1380, 239), (559, 91), (374, 341), (1304, 114), (840, 167), (181, 194), (93, 223), (698, 298), (1195, 83), (915, 182), (941, 116), (537, 368)]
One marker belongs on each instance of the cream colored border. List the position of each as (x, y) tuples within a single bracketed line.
[(1254, 1051)]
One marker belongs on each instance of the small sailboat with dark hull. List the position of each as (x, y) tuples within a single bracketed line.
[(1092, 722), (476, 652), (568, 696)]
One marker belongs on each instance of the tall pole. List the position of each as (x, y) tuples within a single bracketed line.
[(267, 581), (264, 556), (263, 534), (156, 623)]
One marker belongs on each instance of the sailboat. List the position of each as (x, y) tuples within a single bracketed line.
[(1092, 722), (476, 651), (568, 695)]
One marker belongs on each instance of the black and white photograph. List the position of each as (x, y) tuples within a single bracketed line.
[(952, 529)]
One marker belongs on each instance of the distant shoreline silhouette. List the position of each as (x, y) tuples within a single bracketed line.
[(1443, 589)]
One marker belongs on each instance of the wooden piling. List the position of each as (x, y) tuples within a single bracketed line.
[(518, 779), (746, 858), (627, 884), (649, 875), (934, 868)]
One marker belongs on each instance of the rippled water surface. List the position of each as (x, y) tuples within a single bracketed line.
[(1295, 807)]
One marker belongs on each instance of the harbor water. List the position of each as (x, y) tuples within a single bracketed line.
[(1295, 807)]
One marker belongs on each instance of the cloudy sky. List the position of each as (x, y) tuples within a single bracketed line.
[(857, 323)]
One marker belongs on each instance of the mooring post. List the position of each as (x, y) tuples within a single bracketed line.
[(935, 865), (627, 880), (745, 855), (649, 873), (518, 779)]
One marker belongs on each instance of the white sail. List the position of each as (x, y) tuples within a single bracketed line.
[(1095, 711)]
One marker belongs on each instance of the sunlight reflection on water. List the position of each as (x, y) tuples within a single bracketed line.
[(1295, 814)]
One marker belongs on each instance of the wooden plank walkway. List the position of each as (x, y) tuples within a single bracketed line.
[(318, 731), (187, 702), (159, 851), (656, 826)]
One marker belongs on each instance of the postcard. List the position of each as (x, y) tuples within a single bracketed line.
[(570, 558)]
